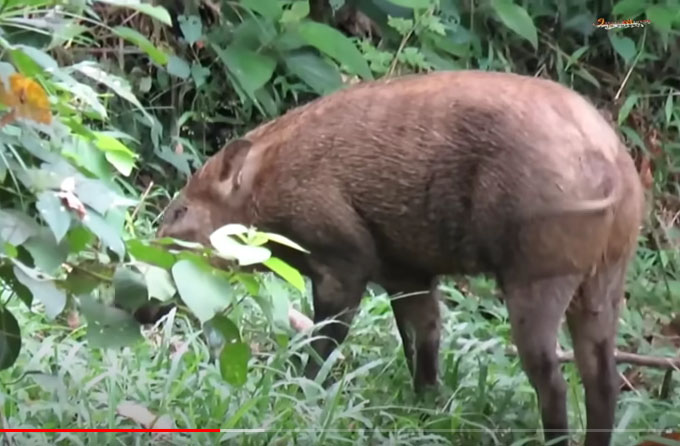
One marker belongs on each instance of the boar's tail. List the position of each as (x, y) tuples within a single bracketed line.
[(591, 206)]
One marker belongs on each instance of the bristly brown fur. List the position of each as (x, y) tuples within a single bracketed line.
[(400, 181)]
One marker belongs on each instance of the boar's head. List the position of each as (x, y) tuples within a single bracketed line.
[(213, 196)]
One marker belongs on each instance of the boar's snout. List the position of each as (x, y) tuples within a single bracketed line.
[(185, 221), (173, 214)]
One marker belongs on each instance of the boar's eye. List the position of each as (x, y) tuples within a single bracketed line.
[(176, 213)]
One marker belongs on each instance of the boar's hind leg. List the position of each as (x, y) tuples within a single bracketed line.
[(337, 288), (592, 321), (536, 309), (419, 324)]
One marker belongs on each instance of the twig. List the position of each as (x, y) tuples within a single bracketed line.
[(92, 274), (622, 358), (404, 41), (628, 383), (214, 8), (125, 50), (630, 70), (141, 200), (393, 65)]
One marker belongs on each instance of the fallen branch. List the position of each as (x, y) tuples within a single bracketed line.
[(622, 358), (300, 323)]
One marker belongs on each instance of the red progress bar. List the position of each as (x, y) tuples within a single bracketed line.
[(109, 430)]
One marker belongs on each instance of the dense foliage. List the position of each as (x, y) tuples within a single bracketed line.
[(109, 105)]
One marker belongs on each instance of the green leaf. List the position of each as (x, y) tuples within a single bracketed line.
[(48, 255), (109, 327), (117, 153), (191, 27), (280, 304), (10, 339), (334, 44), (157, 12), (42, 289), (661, 17), (627, 106), (234, 363), (130, 289), (9, 250), (117, 84), (321, 76), (270, 9), (106, 233), (158, 282), (10, 280), (178, 67), (123, 162), (99, 196), (199, 74), (249, 282), (633, 136), (226, 328), (40, 57), (108, 143), (80, 282), (623, 45), (287, 272), (78, 239), (25, 64), (413, 4), (54, 213), (517, 19), (83, 92), (252, 70), (576, 55), (585, 74), (298, 11), (150, 254), (202, 289), (438, 61), (65, 32), (16, 227), (143, 43), (629, 8), (85, 155)]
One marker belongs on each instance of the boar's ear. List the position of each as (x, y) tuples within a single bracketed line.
[(232, 157)]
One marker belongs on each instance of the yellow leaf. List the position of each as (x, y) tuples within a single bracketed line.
[(27, 98)]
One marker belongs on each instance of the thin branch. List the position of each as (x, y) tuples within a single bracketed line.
[(141, 201), (623, 358), (90, 273), (632, 66)]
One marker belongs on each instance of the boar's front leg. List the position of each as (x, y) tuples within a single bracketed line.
[(337, 287), (341, 262), (419, 323), (536, 309)]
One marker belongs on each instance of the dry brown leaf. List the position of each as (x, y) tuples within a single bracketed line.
[(143, 416), (136, 412), (671, 436)]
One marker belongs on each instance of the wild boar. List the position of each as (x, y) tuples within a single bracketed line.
[(403, 180)]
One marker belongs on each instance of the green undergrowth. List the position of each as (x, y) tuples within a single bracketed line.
[(484, 397)]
